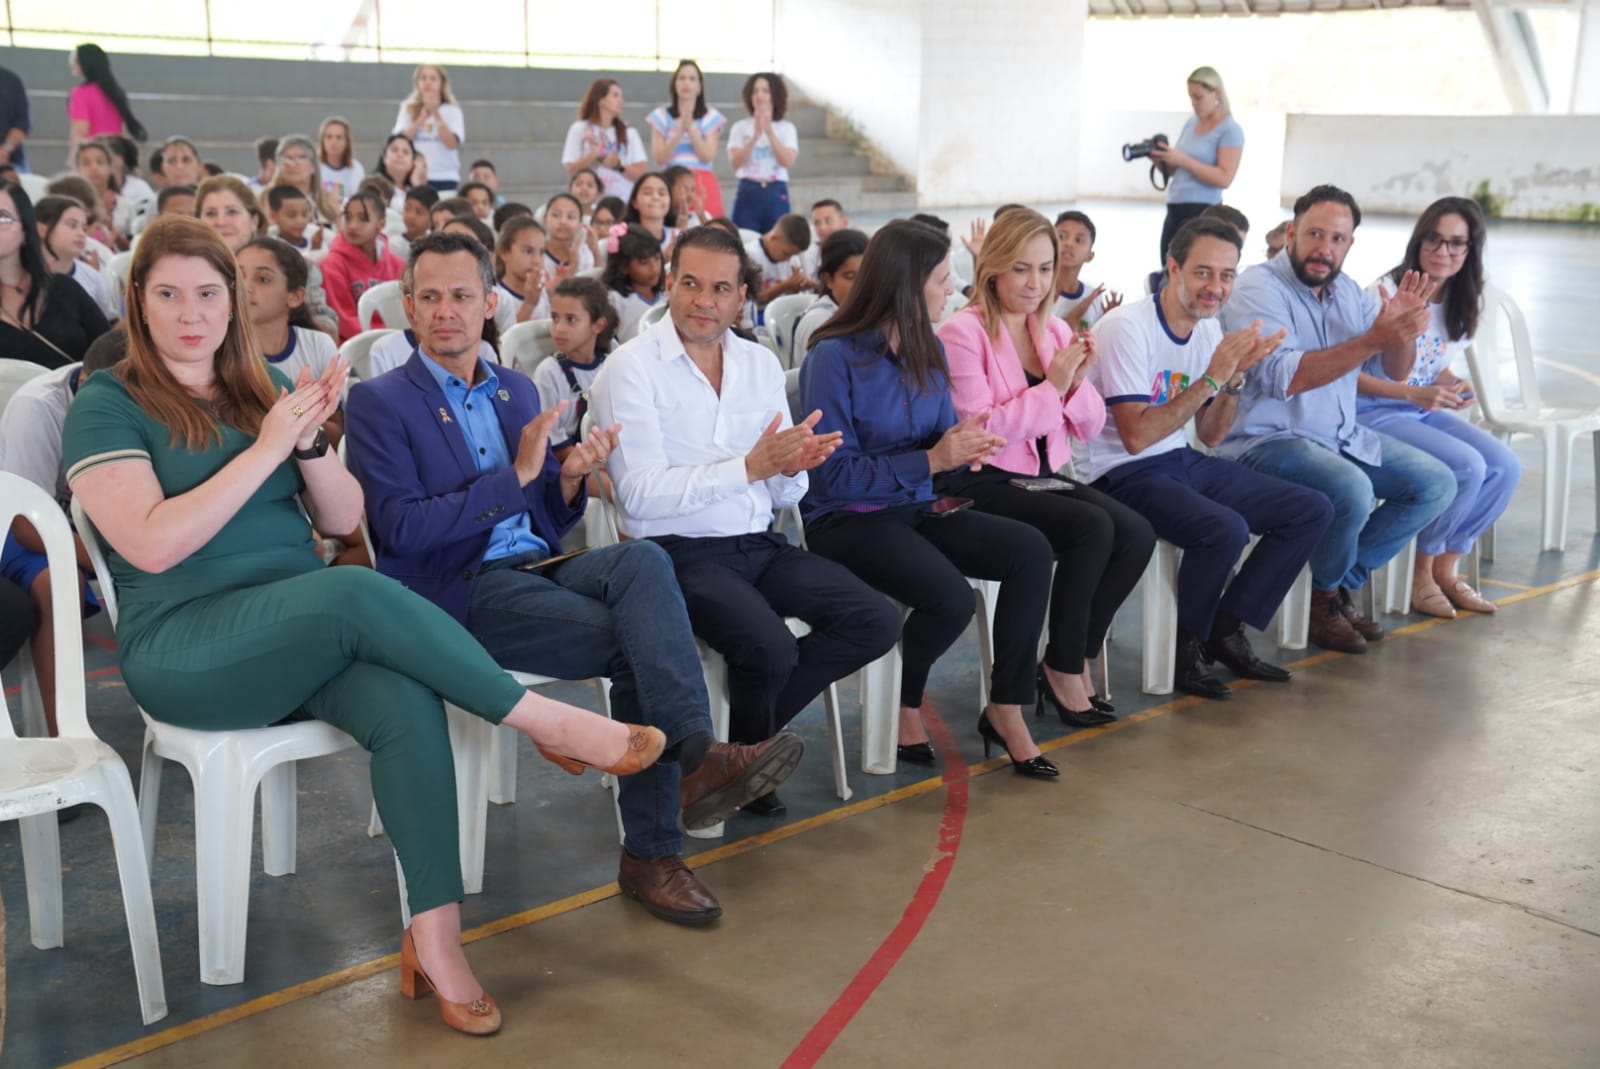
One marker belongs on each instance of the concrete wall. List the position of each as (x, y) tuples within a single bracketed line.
[(1544, 167)]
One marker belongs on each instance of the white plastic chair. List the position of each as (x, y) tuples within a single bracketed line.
[(13, 374), (781, 316), (953, 304), (226, 768), (387, 302), (36, 186), (525, 344), (652, 316), (357, 351), (119, 267), (595, 273), (1557, 429), (39, 776)]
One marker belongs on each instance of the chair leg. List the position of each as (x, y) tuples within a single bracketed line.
[(116, 798), (1105, 669), (470, 742), (1294, 615), (987, 593), (1486, 541), (280, 803), (33, 722), (41, 863), (715, 670), (880, 713), (1397, 578), (1557, 473), (841, 778), (1369, 597), (1594, 440), (1474, 567), (149, 796), (503, 765), (405, 901), (223, 835), (1160, 603)]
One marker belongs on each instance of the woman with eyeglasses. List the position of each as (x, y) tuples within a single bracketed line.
[(1447, 246), (45, 318)]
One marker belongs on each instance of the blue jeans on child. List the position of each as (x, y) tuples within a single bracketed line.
[(613, 612), (1485, 468), (758, 206), (1413, 487)]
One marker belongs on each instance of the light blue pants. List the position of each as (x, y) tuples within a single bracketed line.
[(1485, 468)]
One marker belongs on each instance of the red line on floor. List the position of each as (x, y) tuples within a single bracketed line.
[(816, 1042), (99, 640)]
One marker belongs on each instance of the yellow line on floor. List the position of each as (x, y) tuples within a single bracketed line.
[(1577, 372), (1501, 582), (212, 1021)]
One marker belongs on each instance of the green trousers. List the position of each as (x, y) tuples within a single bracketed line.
[(354, 649)]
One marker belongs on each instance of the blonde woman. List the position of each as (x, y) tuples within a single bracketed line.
[(1205, 159), (433, 121)]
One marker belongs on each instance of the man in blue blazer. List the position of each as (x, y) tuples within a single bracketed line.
[(467, 505)]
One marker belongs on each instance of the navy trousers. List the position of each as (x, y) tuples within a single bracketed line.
[(1209, 507)]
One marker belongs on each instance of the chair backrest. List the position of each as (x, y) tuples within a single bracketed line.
[(782, 314), (525, 344), (387, 302), (13, 373), (608, 508), (366, 532), (23, 498), (652, 316), (791, 382), (1486, 360), (595, 273), (357, 352), (97, 556), (118, 268)]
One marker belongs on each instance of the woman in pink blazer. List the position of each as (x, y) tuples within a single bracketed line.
[(1010, 357)]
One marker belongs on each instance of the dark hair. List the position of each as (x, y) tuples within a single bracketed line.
[(565, 196), (78, 188), (932, 220), (888, 292), (592, 294), (592, 173), (613, 205), (1463, 294), (96, 145), (637, 244), (31, 254), (278, 196), (48, 213), (675, 174), (508, 233), (672, 90), (837, 248), (124, 147), (266, 149), (998, 212), (1202, 226), (453, 205), (630, 214), (475, 164), (479, 228), (780, 93), (296, 275), (1324, 194), (159, 160), (509, 211), (715, 239), (1230, 215), (168, 193), (96, 68), (379, 184), (795, 230), (105, 351), (447, 244), (467, 187), (426, 196), (155, 159), (589, 111), (377, 211), (404, 181), (749, 273), (828, 202), (1082, 220), (211, 168)]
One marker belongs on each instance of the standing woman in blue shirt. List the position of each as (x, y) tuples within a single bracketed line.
[(877, 372), (1205, 158)]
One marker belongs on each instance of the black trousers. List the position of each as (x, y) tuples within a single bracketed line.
[(1177, 215), (16, 619), (739, 589), (922, 561), (1101, 547)]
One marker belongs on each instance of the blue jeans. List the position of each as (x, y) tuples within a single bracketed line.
[(613, 612), (1413, 486), (758, 207), (1485, 469)]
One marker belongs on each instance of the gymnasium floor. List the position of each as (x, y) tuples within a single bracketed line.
[(1389, 862)]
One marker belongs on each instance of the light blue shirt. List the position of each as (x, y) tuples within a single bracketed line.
[(1271, 293), (474, 413), (1185, 188)]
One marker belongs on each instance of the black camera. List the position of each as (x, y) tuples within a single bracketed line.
[(1140, 150)]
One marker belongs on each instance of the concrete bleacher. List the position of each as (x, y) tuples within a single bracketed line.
[(516, 117)]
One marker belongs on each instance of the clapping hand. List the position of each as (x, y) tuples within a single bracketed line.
[(967, 444), (791, 450), (589, 456)]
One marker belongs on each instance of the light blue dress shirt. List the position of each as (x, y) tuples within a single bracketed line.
[(1271, 293)]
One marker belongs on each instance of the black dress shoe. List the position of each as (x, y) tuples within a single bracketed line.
[(1234, 653), (1073, 718), (768, 805), (1191, 675), (916, 753)]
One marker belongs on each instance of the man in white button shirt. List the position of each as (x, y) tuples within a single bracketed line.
[(709, 451)]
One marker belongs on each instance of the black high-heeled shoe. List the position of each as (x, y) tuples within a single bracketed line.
[(1100, 705), (916, 753), (1034, 767), (1073, 718)]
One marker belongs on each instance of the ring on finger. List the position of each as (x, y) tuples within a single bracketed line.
[(299, 410)]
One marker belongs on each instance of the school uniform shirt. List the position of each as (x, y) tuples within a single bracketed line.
[(772, 271), (678, 468), (505, 313), (444, 164), (135, 200), (811, 260), (630, 309), (393, 350), (712, 122), (1065, 302), (94, 284), (1436, 351), (558, 379), (347, 274), (30, 430), (581, 134), (585, 259), (307, 350), (341, 183), (1138, 358), (763, 165)]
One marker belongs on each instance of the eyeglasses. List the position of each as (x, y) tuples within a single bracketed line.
[(6, 219), (1454, 246), (296, 157)]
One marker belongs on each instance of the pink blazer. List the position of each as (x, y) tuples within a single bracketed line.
[(988, 375)]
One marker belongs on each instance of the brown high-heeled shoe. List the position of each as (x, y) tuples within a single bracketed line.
[(480, 1017), (644, 749)]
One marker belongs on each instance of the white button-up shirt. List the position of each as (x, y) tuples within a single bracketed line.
[(678, 468)]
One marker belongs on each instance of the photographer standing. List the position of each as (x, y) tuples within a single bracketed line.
[(1205, 158)]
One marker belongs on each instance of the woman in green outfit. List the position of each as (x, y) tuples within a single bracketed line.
[(188, 457)]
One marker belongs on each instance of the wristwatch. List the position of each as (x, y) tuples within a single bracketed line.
[(319, 447), (1233, 391)]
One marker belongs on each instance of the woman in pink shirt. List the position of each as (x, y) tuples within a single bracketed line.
[(97, 105), (1011, 358)]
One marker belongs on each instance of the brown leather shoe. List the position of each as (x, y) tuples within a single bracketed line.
[(733, 775), (667, 889), (1329, 627), (1371, 630)]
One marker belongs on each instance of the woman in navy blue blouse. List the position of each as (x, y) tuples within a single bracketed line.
[(878, 374)]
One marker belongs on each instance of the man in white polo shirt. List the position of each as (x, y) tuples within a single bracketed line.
[(707, 452), (1161, 362)]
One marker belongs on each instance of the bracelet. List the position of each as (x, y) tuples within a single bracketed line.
[(1211, 382)]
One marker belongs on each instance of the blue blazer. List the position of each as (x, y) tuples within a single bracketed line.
[(428, 509)]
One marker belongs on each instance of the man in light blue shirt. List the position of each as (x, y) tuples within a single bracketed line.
[(1297, 418)]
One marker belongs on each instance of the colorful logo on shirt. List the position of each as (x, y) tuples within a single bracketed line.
[(1168, 385)]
